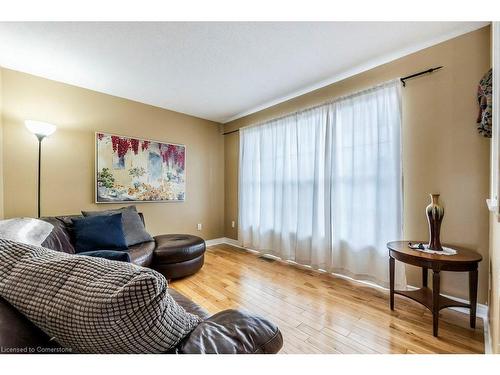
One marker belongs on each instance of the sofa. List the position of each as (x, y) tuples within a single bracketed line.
[(226, 332), (173, 255)]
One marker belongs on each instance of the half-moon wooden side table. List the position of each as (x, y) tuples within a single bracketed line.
[(463, 261)]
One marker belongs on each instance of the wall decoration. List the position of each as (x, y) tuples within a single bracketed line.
[(139, 170), (485, 100)]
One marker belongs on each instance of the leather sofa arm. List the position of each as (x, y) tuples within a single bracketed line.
[(233, 332)]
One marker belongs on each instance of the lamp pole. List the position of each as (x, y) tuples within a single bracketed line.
[(40, 138), (40, 130)]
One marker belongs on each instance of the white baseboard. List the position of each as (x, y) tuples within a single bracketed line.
[(233, 242), (482, 310), (488, 348), (215, 241), (223, 240)]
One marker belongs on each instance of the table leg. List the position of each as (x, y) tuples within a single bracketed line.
[(473, 297), (424, 277), (435, 301), (391, 280)]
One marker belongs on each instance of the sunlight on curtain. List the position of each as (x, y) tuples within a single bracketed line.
[(323, 187)]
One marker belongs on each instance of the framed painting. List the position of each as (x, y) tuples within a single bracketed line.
[(139, 170)]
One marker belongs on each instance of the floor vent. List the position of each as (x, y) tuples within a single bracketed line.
[(267, 259)]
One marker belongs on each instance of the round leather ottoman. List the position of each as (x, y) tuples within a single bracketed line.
[(178, 255)]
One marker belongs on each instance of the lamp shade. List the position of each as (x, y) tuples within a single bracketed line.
[(40, 128)]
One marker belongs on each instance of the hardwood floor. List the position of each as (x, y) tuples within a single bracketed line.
[(321, 313)]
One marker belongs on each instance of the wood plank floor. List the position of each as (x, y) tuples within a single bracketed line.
[(321, 313)]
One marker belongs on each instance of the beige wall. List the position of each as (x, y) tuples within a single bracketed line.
[(442, 149), (231, 161), (68, 155)]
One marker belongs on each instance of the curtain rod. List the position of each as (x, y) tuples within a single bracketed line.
[(329, 101), (419, 74), (403, 81), (232, 131)]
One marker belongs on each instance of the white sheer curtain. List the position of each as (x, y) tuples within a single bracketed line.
[(323, 187)]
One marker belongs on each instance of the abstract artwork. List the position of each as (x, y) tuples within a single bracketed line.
[(138, 170)]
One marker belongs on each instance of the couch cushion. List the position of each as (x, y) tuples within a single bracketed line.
[(92, 305), (99, 232), (188, 305), (120, 256), (233, 332), (175, 248), (61, 238), (19, 335), (133, 226), (142, 254)]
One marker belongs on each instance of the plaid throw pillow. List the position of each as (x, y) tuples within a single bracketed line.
[(92, 305)]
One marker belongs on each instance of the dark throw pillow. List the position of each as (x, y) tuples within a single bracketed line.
[(133, 227), (121, 256), (99, 232)]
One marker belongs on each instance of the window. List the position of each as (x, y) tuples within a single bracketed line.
[(323, 187)]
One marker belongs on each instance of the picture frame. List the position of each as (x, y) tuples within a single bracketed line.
[(138, 170)]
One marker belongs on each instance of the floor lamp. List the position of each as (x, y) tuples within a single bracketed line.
[(40, 130)]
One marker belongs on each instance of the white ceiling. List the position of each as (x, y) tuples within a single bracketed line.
[(217, 71)]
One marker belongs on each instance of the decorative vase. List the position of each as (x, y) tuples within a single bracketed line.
[(435, 213)]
